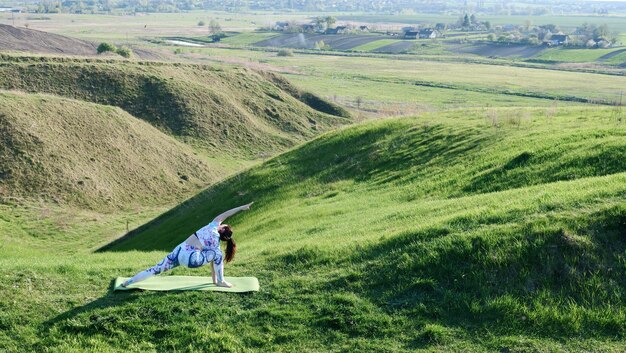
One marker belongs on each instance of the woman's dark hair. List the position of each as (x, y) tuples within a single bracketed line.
[(226, 234)]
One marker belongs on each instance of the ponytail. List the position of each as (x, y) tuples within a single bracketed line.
[(231, 249), (226, 234)]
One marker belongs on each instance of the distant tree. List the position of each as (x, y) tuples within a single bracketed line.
[(293, 27), (330, 21), (601, 32), (214, 27), (285, 52), (531, 40), (358, 102), (473, 19), (124, 51), (466, 21), (586, 29), (104, 47), (217, 36), (528, 24), (487, 25), (320, 23), (550, 27), (545, 31), (201, 23), (321, 45), (491, 37)]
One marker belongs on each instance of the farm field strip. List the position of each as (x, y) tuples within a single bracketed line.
[(497, 78), (371, 46), (309, 41), (397, 47), (618, 58), (394, 98), (133, 28), (247, 38), (574, 55)]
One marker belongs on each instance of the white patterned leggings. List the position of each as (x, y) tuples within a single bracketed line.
[(188, 256)]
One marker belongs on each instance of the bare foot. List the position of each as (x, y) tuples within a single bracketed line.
[(224, 284)]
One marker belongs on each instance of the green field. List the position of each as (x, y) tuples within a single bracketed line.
[(573, 55), (331, 75), (473, 231), (400, 98), (128, 28), (371, 46)]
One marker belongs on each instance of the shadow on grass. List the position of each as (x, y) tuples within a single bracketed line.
[(553, 279), (84, 320), (111, 299), (113, 318), (531, 169)]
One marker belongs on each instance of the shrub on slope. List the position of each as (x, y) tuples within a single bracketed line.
[(229, 110), (88, 154)]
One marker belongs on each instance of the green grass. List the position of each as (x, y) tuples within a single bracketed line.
[(469, 231), (573, 55), (371, 46), (617, 59), (474, 77), (396, 98)]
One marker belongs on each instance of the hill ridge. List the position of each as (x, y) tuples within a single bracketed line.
[(196, 103), (73, 152)]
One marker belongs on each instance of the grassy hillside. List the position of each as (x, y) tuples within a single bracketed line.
[(237, 112), (471, 231), (73, 152), (439, 156)]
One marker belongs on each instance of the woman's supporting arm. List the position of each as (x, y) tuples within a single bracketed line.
[(229, 213), (213, 274)]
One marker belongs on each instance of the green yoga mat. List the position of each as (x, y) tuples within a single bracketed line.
[(172, 283)]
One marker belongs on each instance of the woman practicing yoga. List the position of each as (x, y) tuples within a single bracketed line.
[(199, 249)]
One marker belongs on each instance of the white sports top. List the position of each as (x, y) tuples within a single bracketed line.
[(208, 236)]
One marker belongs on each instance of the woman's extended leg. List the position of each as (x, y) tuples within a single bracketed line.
[(168, 263)]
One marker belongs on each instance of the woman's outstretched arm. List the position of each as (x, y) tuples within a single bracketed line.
[(229, 213)]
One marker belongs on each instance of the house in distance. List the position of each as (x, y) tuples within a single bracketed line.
[(426, 33), (557, 39)]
